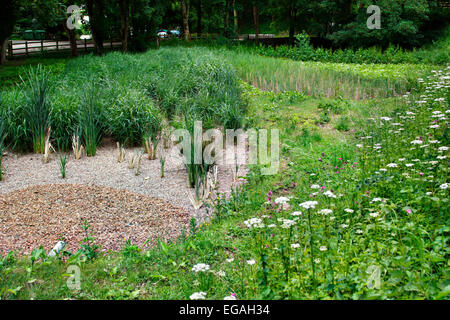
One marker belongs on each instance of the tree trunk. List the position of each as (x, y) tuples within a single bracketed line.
[(185, 16), (256, 22), (3, 46), (96, 32), (72, 41), (124, 22), (292, 14), (227, 16), (199, 18), (235, 15)]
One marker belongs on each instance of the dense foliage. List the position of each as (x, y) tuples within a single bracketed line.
[(357, 215), (128, 95), (438, 54)]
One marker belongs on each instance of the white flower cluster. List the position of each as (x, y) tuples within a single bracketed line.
[(326, 211), (281, 200), (254, 223), (200, 267), (286, 223), (198, 296), (329, 194), (309, 204)]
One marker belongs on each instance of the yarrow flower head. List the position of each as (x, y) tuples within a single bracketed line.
[(309, 204), (198, 296), (254, 223), (326, 211), (281, 200), (251, 261), (200, 267), (287, 223), (329, 194), (392, 165), (230, 297)]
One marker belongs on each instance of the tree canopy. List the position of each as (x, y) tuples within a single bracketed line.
[(403, 22)]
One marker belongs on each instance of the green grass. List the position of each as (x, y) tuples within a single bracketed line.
[(350, 81), (387, 221), (11, 72)]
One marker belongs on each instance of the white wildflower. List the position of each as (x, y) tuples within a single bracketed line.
[(200, 267), (198, 296)]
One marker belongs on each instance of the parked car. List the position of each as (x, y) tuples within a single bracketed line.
[(162, 33), (176, 33)]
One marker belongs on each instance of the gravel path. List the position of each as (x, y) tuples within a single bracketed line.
[(36, 203)]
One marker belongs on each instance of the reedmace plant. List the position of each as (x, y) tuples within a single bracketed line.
[(2, 140), (89, 117), (37, 108)]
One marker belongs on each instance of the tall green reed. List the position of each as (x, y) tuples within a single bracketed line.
[(90, 122), (2, 140), (37, 109)]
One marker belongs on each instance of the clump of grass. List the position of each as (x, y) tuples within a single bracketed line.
[(120, 152), (37, 109), (162, 161), (134, 162), (76, 146), (138, 164), (150, 146), (62, 166), (89, 117), (2, 146), (343, 124)]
